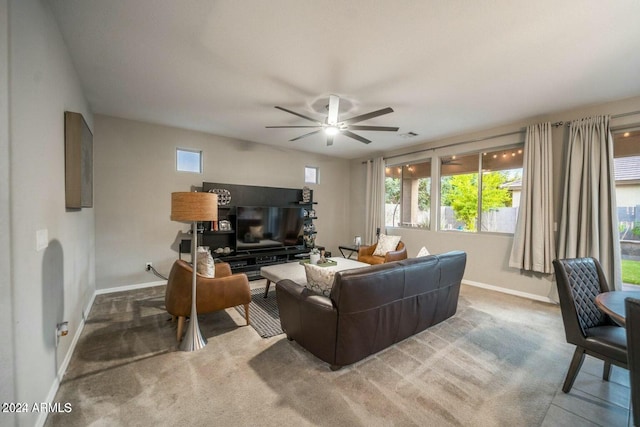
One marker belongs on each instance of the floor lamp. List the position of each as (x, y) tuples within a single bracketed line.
[(193, 207)]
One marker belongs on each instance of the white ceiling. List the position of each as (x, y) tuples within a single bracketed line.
[(445, 67)]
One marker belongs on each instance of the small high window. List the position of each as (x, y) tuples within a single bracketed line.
[(188, 160), (311, 174)]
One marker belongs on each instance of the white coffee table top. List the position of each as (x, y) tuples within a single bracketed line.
[(295, 271)]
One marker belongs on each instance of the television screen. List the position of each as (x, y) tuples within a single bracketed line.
[(261, 227)]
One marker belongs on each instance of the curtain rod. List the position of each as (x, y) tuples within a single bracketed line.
[(556, 124), (614, 116)]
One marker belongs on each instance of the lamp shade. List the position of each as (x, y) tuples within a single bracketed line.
[(194, 206)]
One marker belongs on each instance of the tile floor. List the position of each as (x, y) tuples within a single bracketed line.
[(592, 401)]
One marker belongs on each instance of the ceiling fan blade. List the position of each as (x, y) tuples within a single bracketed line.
[(306, 134), (354, 136), (385, 128), (334, 105), (329, 140), (299, 115), (368, 116), (292, 127)]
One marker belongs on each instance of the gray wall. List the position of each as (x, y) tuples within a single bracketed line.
[(488, 254), (135, 175), (7, 386), (57, 283)]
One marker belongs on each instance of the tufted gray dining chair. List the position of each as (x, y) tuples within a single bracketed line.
[(579, 280)]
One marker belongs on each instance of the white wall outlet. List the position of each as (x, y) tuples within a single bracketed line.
[(42, 239), (147, 266)]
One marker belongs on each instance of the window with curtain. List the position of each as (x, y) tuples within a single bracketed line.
[(626, 153), (480, 192), (408, 195)]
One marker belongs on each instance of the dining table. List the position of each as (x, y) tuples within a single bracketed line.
[(612, 303)]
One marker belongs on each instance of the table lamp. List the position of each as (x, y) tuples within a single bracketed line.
[(193, 207)]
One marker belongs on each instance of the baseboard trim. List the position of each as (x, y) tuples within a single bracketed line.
[(130, 287), (509, 291), (42, 418)]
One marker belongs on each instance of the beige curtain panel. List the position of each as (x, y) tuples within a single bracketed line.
[(589, 221), (374, 199), (533, 243)]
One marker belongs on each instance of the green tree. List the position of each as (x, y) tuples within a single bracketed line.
[(494, 192), (461, 193), (392, 190), (424, 194)]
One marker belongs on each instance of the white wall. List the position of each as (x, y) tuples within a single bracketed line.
[(488, 254), (55, 284), (7, 361), (135, 175)]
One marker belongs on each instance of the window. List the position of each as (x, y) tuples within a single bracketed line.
[(408, 195), (311, 174), (188, 160), (626, 153), (496, 210)]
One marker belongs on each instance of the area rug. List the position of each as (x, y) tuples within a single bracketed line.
[(263, 313)]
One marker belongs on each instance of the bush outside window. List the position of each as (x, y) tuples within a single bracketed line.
[(408, 195), (493, 209)]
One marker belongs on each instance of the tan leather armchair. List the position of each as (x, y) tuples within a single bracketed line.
[(212, 294), (365, 254)]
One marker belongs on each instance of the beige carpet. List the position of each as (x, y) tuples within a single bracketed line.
[(498, 362)]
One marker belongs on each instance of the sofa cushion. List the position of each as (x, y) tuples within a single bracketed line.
[(386, 244), (319, 279)]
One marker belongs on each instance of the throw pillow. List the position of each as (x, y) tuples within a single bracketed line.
[(422, 252), (319, 279), (256, 232), (204, 262), (386, 244)]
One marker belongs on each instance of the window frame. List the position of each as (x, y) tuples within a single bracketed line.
[(402, 166), (316, 170), (480, 172), (189, 150)]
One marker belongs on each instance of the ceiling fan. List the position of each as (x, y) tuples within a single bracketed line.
[(332, 125)]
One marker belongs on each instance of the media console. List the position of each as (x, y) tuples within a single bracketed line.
[(247, 260), (250, 262)]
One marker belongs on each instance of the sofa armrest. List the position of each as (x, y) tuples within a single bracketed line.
[(309, 318), (396, 255)]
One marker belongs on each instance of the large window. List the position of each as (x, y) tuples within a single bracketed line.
[(408, 195), (481, 190), (626, 152)]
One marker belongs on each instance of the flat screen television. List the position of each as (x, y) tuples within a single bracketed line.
[(268, 227)]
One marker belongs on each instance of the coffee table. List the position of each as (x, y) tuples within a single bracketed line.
[(295, 271)]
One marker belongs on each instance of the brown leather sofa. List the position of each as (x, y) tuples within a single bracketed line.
[(371, 308), (222, 291), (365, 254)]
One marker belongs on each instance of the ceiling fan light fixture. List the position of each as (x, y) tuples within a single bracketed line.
[(331, 130)]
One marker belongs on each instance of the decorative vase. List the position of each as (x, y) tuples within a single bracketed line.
[(314, 258)]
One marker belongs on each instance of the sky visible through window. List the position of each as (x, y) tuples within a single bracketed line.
[(189, 161), (311, 175)]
